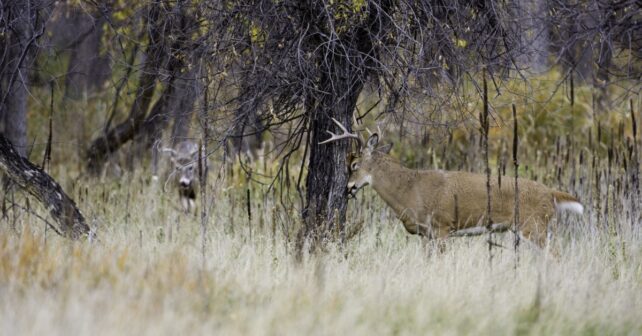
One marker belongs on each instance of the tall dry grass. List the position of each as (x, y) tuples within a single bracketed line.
[(146, 275)]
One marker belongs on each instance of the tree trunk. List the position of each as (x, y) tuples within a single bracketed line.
[(326, 199), (24, 22), (87, 70), (177, 100), (36, 182), (604, 59), (343, 70), (535, 36), (571, 43), (152, 129), (247, 124), (157, 120), (17, 85), (15, 115), (183, 104), (114, 138), (579, 54)]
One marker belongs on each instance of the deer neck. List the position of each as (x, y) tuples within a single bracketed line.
[(388, 179)]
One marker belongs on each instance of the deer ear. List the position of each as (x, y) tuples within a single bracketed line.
[(373, 140), (385, 148)]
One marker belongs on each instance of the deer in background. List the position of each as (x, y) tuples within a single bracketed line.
[(440, 204), (185, 160)]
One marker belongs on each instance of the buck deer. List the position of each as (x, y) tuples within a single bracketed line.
[(185, 158), (440, 204)]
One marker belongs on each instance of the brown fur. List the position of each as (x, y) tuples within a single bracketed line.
[(436, 203), (564, 197)]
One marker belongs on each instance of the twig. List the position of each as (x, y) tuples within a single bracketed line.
[(516, 170), (484, 129)]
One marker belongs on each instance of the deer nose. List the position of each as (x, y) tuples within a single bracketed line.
[(352, 189), (184, 181)]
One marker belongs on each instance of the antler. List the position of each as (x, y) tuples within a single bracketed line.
[(168, 150), (345, 135)]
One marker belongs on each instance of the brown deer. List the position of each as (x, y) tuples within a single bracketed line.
[(440, 204), (185, 159)]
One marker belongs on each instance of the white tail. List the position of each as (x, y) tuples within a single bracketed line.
[(575, 207)]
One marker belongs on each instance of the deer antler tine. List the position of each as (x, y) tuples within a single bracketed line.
[(333, 137), (329, 139), (344, 135), (168, 150), (340, 126), (194, 151), (168, 179)]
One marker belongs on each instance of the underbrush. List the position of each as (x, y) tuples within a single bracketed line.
[(151, 271), (147, 274)]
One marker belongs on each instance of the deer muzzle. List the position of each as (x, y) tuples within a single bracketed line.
[(184, 182), (352, 189)]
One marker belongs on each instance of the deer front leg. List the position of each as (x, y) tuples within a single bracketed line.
[(434, 235), (430, 232), (537, 232)]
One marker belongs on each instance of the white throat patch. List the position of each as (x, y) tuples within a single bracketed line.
[(367, 180)]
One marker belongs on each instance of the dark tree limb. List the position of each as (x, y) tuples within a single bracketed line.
[(108, 143), (36, 182), (151, 130), (114, 138)]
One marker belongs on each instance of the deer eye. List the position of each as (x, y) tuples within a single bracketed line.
[(354, 166)]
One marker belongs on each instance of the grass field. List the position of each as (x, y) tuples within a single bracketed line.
[(147, 274)]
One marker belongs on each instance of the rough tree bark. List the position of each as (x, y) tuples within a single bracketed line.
[(343, 72), (15, 114), (37, 183), (535, 36), (24, 25), (326, 200)]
